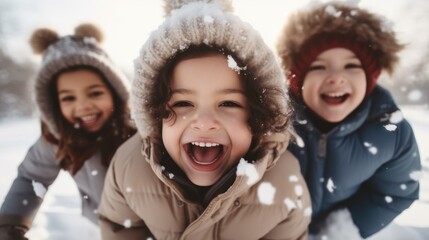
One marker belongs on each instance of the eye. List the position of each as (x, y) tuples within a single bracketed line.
[(67, 98), (352, 65), (95, 94), (316, 67), (230, 104), (181, 104)]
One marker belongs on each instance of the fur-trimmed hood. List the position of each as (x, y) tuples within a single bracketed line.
[(63, 52), (335, 17)]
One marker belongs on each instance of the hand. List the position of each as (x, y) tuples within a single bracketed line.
[(10, 232)]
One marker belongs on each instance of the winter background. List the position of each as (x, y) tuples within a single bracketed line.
[(126, 25)]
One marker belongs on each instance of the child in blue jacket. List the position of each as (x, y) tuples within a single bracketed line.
[(357, 153)]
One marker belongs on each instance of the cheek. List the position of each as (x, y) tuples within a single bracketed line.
[(66, 111), (107, 105), (170, 135)]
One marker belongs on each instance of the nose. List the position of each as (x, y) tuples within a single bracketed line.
[(205, 120), (335, 77), (83, 105)]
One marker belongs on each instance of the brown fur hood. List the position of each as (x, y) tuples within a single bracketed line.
[(336, 17)]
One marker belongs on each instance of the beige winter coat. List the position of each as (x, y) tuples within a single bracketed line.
[(138, 200)]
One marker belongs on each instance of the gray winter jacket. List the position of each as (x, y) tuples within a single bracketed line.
[(40, 166)]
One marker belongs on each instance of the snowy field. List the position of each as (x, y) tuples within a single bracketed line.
[(59, 217)]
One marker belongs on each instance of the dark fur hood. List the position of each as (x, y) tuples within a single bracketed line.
[(336, 17)]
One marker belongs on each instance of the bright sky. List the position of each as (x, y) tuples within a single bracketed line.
[(127, 23)]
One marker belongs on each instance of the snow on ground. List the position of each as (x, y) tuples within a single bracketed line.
[(59, 217)]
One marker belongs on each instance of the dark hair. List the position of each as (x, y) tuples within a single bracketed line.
[(75, 146), (261, 115)]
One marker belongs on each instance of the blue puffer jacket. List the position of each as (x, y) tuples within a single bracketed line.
[(368, 164)]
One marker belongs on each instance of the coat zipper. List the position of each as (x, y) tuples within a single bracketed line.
[(321, 146)]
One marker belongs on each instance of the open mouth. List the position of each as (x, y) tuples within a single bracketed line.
[(88, 120), (334, 98), (205, 155)]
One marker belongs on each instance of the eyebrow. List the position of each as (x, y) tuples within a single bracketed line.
[(226, 91), (88, 88)]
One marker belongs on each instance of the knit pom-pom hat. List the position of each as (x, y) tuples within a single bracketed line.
[(195, 23), (61, 53), (311, 31)]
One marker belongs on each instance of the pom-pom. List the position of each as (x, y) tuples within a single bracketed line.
[(42, 39), (89, 30), (170, 5)]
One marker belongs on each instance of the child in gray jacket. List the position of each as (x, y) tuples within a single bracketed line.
[(82, 97)]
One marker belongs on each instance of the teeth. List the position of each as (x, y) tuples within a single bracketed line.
[(205, 144), (335, 94), (89, 118)]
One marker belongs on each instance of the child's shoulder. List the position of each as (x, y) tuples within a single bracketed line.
[(286, 177), (129, 154)]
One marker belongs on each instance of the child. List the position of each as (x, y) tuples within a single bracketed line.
[(82, 97), (209, 162), (359, 156)]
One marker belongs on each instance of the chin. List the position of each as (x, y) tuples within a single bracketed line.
[(203, 182)]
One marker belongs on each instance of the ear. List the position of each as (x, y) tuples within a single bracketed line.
[(89, 30), (42, 39)]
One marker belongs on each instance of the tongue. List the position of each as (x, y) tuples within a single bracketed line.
[(206, 155)]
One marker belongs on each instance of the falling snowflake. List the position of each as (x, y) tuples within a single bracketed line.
[(39, 189), (266, 192), (127, 223), (331, 10), (416, 175), (90, 40), (293, 178), (415, 95), (301, 121), (396, 117), (94, 173), (390, 127), (372, 149), (300, 142), (128, 189), (330, 185), (388, 199), (403, 186), (171, 175), (25, 202), (247, 169), (233, 64), (298, 190), (289, 204)]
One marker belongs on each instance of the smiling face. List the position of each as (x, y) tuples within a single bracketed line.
[(210, 132), (335, 84), (84, 99)]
